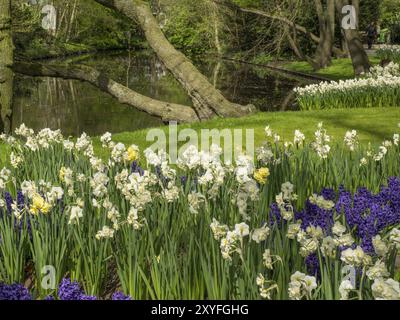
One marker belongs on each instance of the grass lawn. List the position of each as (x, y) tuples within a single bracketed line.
[(373, 125), (340, 68)]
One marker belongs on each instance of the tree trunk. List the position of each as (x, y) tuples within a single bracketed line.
[(166, 111), (326, 19), (207, 100), (359, 57), (217, 41), (6, 62)]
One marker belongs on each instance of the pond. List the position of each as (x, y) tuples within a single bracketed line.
[(76, 107)]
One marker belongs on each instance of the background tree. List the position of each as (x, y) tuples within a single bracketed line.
[(6, 62)]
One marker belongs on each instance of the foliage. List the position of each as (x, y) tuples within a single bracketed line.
[(85, 27), (188, 27)]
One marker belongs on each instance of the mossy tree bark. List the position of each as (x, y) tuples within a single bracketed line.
[(207, 100), (6, 62)]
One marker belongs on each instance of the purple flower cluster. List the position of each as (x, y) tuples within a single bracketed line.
[(120, 296), (9, 200), (312, 263), (369, 213), (312, 215), (366, 214), (274, 214), (14, 292), (68, 290), (135, 168)]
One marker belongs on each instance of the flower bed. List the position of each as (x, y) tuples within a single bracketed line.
[(380, 88), (389, 52), (200, 229)]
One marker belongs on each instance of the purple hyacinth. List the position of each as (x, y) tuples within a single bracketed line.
[(135, 168), (85, 297), (313, 266), (274, 214), (368, 214), (68, 290), (20, 200), (313, 215), (9, 200), (14, 292), (120, 296)]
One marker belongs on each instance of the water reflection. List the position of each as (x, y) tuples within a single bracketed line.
[(77, 107)]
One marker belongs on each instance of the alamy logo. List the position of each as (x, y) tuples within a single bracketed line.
[(349, 20), (49, 21), (233, 142), (49, 277)]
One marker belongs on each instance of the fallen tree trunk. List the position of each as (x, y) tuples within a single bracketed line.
[(166, 111), (6, 61), (207, 100)]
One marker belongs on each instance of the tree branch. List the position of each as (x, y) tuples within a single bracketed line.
[(207, 100), (166, 111)]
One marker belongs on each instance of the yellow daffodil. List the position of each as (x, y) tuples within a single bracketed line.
[(62, 174), (261, 175), (133, 153), (39, 205)]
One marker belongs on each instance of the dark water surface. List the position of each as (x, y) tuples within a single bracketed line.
[(76, 107)]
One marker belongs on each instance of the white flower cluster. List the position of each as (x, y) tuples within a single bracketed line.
[(320, 145), (356, 257), (383, 288), (248, 189), (321, 202), (313, 238), (301, 286), (265, 287), (388, 289), (390, 52), (351, 140), (299, 137), (285, 199), (5, 176), (378, 81), (43, 197), (233, 241), (390, 70)]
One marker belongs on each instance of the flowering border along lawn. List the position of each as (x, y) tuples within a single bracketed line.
[(285, 227), (373, 125), (379, 88)]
